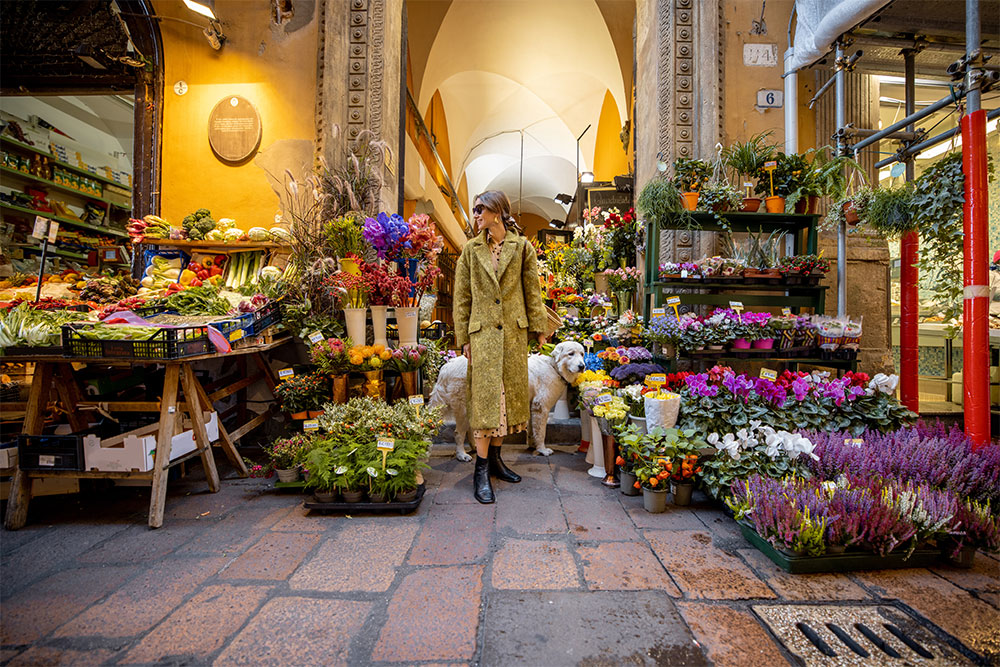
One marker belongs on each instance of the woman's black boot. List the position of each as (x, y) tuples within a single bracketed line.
[(481, 482), (499, 469)]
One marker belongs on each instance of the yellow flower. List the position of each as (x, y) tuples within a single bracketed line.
[(375, 362), (378, 349), (385, 355)]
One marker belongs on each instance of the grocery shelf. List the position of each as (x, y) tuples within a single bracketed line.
[(63, 221), (52, 250), (218, 245), (65, 188), (56, 161)]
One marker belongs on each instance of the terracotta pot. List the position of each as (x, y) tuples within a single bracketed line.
[(300, 415), (850, 213), (774, 204), (751, 204), (313, 414), (690, 200), (812, 205), (338, 385), (409, 382), (378, 325)]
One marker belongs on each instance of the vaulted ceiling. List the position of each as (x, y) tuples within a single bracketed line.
[(521, 77)]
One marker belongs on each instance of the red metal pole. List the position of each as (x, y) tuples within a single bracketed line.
[(975, 319), (909, 308)]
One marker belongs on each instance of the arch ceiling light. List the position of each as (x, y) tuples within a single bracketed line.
[(502, 66)]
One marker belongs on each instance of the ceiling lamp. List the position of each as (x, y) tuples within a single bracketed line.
[(204, 7), (587, 177), (562, 198)]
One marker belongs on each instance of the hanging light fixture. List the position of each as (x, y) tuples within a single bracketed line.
[(587, 177), (204, 7)]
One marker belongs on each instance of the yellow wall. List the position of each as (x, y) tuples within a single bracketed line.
[(610, 159), (275, 71)]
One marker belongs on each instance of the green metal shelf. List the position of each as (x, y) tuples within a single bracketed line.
[(64, 221), (65, 188), (51, 251), (56, 161)]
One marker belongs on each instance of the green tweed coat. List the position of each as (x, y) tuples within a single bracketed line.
[(495, 316)]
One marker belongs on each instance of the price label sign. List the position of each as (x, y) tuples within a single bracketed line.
[(659, 312), (315, 337), (747, 184), (41, 228), (236, 335), (736, 305), (769, 374), (656, 379), (409, 313), (286, 373), (786, 311), (310, 425), (385, 444), (588, 343), (771, 164), (603, 399), (53, 232), (416, 399), (854, 442), (47, 460), (684, 273), (673, 301)]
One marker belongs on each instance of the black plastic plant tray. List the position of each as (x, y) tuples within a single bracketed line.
[(41, 351), (225, 327), (373, 508), (845, 562)]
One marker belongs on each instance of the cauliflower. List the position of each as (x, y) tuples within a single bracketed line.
[(258, 234), (222, 224), (280, 235), (232, 234)]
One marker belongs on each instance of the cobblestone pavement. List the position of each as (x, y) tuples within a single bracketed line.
[(559, 571)]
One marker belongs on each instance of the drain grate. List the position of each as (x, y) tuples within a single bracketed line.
[(825, 635)]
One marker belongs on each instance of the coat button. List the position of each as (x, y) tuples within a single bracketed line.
[(498, 302), (499, 326)]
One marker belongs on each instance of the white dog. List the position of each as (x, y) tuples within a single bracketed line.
[(548, 376)]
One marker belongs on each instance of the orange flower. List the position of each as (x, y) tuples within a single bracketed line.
[(378, 349), (385, 355), (619, 461), (653, 481), (637, 485)]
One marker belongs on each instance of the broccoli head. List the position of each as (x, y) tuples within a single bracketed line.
[(204, 225), (203, 213)]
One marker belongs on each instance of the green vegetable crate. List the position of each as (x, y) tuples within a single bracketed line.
[(164, 343), (226, 327)]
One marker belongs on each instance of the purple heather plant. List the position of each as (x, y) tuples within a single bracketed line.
[(980, 527), (633, 373)]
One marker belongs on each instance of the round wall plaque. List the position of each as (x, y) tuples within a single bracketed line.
[(234, 129)]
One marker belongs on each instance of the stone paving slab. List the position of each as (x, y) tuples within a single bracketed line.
[(585, 628), (624, 566), (534, 565), (732, 637)]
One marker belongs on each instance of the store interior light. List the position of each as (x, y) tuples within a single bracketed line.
[(563, 198), (204, 7), (587, 177)]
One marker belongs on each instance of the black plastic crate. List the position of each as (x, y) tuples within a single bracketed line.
[(165, 343), (265, 317), (225, 327), (50, 452)]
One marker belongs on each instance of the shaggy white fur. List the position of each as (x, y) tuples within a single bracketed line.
[(547, 377)]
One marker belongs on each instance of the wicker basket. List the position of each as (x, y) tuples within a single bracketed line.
[(553, 322)]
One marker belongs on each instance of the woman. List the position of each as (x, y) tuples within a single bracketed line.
[(497, 306)]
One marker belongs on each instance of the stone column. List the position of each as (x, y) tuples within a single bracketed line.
[(360, 59)]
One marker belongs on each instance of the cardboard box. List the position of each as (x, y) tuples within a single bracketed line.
[(135, 450)]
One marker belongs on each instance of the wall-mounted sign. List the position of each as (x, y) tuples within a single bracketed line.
[(234, 129), (760, 55), (770, 99)]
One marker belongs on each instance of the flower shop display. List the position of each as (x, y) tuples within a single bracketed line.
[(755, 449), (407, 361), (623, 234), (662, 409), (285, 456), (902, 499), (659, 457), (331, 358)]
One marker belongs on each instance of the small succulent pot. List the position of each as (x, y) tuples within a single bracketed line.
[(290, 475), (774, 204), (628, 483), (751, 204), (407, 496), (325, 496), (682, 493), (654, 500), (690, 200), (352, 496)]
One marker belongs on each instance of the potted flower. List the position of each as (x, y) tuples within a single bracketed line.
[(335, 467), (623, 282), (783, 328), (689, 177), (805, 266), (682, 478), (598, 304), (611, 414), (370, 360), (719, 198), (746, 160), (330, 358), (407, 361), (302, 395), (664, 331), (629, 441), (286, 454), (622, 232), (757, 330), (670, 271), (343, 239), (694, 334)]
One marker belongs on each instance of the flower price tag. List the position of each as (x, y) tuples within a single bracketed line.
[(658, 312), (770, 166), (603, 399), (748, 185), (738, 307), (674, 302), (684, 274), (286, 373), (416, 401), (385, 445), (854, 442), (315, 337), (310, 425), (769, 374), (656, 380), (41, 229), (588, 343), (786, 311)]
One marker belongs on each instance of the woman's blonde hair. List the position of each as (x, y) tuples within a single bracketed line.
[(497, 201)]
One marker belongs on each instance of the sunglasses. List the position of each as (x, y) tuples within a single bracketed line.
[(478, 209)]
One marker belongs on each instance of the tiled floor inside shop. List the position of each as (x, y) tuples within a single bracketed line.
[(561, 571)]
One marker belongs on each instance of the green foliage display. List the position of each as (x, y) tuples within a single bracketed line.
[(660, 202)]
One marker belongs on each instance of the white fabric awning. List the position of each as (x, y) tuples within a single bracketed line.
[(818, 23)]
